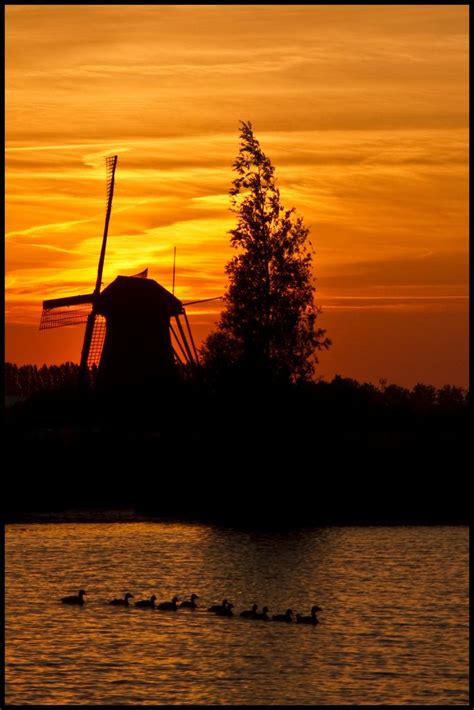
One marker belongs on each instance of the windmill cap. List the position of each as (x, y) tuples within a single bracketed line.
[(128, 293)]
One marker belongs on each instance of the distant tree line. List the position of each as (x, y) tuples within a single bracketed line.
[(422, 399), (25, 380), (320, 435), (341, 393)]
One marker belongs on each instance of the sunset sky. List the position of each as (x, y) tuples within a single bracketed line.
[(363, 110)]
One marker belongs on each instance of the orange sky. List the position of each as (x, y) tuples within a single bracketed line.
[(363, 110)]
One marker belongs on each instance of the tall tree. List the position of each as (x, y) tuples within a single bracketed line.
[(268, 326)]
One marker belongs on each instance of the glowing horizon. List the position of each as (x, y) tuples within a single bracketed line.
[(362, 110)]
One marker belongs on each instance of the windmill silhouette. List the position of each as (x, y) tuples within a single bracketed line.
[(129, 335)]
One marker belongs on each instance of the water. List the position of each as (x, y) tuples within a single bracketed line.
[(394, 627)]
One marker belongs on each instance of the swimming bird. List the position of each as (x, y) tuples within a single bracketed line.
[(189, 604), (169, 606), (313, 619), (283, 617), (226, 611), (263, 616), (122, 602), (249, 613), (74, 600), (146, 603), (218, 607)]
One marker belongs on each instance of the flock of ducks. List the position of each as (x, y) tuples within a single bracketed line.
[(224, 609)]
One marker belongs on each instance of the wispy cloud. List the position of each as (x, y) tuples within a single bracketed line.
[(363, 110)]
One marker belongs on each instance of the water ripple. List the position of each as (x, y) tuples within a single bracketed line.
[(394, 627)]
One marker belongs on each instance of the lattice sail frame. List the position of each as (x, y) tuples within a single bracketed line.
[(67, 315), (97, 341), (71, 310), (110, 163)]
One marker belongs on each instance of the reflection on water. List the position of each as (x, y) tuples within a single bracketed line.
[(394, 627)]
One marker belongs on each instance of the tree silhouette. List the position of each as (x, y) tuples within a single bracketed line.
[(30, 379), (268, 326)]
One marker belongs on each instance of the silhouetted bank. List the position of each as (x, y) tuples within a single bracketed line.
[(387, 498), (243, 519), (314, 454)]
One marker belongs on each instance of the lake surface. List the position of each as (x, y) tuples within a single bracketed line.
[(394, 625)]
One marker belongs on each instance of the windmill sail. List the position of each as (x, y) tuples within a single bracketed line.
[(76, 310), (72, 310), (97, 341), (111, 163)]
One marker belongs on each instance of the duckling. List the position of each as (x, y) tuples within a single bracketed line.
[(147, 603), (169, 606), (74, 600), (313, 619), (249, 613), (263, 616), (218, 607), (189, 604), (122, 602), (283, 617), (226, 611)]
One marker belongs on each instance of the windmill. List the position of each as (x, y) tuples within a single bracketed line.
[(129, 333)]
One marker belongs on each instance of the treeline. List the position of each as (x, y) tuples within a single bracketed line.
[(342, 392), (316, 452), (421, 399), (25, 380)]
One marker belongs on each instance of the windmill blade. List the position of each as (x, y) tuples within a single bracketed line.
[(190, 333), (111, 164), (71, 310), (203, 300), (97, 341), (175, 341), (86, 346), (68, 301), (184, 340)]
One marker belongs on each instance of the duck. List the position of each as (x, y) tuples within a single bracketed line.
[(169, 606), (147, 603), (122, 602), (218, 607), (263, 616), (226, 611), (73, 599), (249, 613), (283, 617), (313, 619), (190, 603)]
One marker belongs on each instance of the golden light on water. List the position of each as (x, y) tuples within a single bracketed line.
[(377, 642)]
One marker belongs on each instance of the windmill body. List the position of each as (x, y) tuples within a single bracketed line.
[(137, 348)]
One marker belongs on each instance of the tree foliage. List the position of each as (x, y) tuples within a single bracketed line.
[(268, 326), (25, 380)]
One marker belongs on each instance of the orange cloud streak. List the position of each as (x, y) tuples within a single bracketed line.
[(363, 111)]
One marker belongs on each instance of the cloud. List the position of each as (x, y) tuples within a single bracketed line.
[(363, 111), (401, 304)]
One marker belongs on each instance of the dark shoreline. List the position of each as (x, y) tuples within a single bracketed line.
[(244, 462), (129, 515), (241, 488)]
